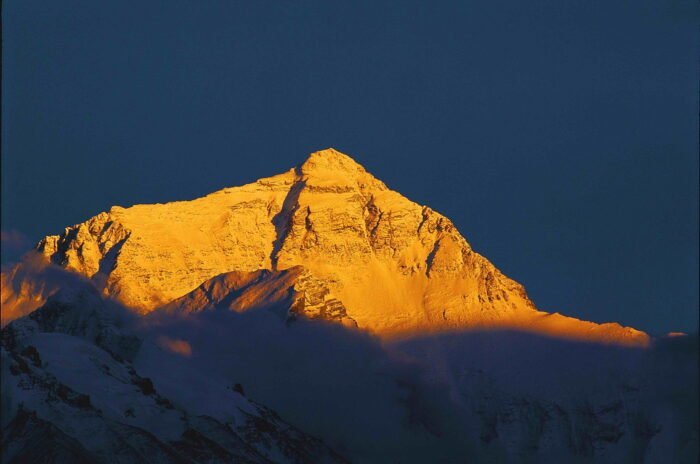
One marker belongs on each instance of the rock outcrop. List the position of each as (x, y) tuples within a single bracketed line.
[(292, 293)]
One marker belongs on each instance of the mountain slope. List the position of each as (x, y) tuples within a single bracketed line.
[(292, 293), (95, 384), (398, 268), (72, 392)]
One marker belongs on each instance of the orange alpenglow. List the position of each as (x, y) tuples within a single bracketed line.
[(349, 249)]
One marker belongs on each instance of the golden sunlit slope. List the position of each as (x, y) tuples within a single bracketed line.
[(397, 267)]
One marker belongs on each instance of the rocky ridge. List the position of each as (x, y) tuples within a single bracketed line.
[(292, 293)]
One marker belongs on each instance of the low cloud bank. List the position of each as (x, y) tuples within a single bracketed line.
[(431, 399), (487, 396)]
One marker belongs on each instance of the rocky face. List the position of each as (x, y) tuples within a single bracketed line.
[(394, 267), (93, 381), (292, 293)]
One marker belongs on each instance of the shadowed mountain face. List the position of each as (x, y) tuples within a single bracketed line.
[(294, 291), (76, 388), (83, 380), (389, 265)]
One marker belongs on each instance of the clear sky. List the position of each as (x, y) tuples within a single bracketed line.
[(561, 137)]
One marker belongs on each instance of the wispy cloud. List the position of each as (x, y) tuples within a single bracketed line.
[(13, 244), (176, 346)]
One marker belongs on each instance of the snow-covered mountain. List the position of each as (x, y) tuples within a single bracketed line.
[(200, 331), (84, 380), (71, 392), (397, 268)]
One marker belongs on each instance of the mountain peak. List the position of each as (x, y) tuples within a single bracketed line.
[(331, 160), (332, 170)]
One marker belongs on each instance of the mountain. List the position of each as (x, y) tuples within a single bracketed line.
[(316, 316), (395, 267)]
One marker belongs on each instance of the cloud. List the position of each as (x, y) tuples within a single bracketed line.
[(28, 283), (422, 400), (13, 244), (176, 346), (13, 237)]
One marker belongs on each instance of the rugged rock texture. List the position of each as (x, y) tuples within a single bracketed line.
[(292, 293), (86, 380), (397, 267)]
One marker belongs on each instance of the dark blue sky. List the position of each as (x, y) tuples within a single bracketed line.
[(560, 136)]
